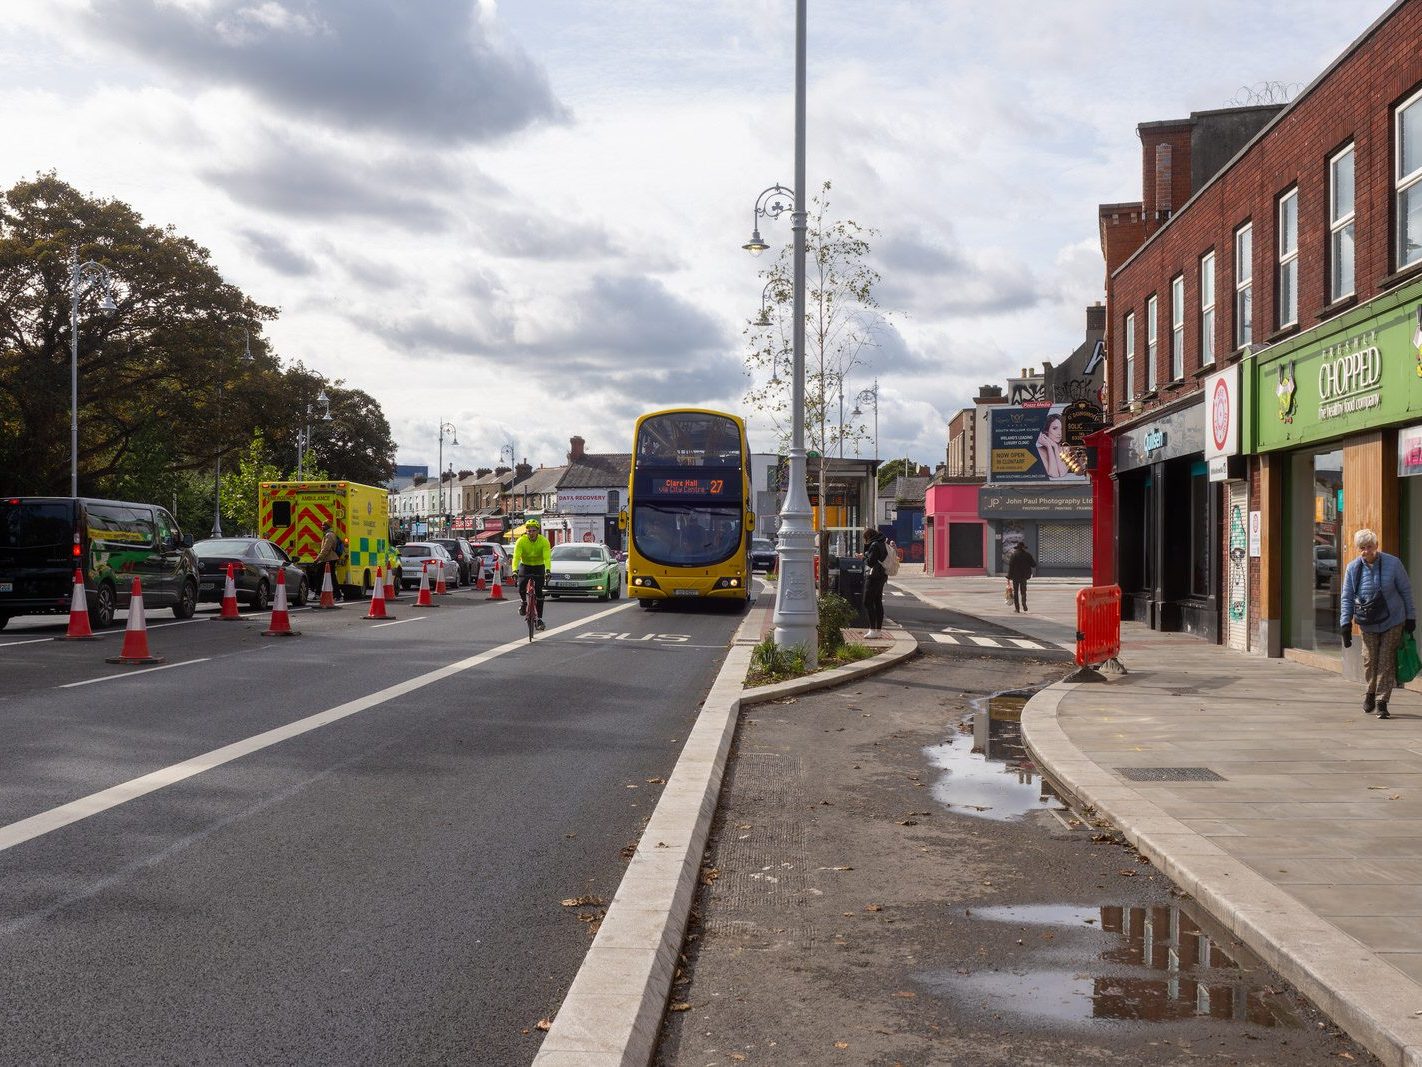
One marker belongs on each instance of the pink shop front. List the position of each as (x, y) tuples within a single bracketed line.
[(954, 537)]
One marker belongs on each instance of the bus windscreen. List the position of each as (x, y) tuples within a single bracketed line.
[(689, 439)]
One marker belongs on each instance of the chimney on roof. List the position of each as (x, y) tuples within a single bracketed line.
[(483, 471), (522, 470), (1096, 318), (575, 452), (465, 474)]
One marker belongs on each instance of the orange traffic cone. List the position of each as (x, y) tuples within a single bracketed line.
[(281, 616), (135, 638), (328, 591), (229, 600), (377, 598), (78, 613), (392, 587), (480, 584), (440, 588), (497, 592), (424, 600)]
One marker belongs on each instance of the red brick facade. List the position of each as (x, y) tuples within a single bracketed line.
[(1353, 103)]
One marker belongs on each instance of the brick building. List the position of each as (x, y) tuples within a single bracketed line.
[(1274, 268)]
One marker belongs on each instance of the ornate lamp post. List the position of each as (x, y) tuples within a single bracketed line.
[(303, 437), (82, 278), (796, 610), (444, 428), (869, 396)]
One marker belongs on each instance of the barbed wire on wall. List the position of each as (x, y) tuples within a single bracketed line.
[(1262, 93)]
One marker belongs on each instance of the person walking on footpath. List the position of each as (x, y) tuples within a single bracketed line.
[(1019, 569), (876, 551), (1378, 597), (330, 552)]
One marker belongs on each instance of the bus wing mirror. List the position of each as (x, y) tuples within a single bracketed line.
[(622, 519)]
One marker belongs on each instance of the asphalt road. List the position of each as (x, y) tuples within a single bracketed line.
[(381, 884)]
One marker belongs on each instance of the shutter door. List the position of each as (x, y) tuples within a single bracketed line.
[(1064, 544)]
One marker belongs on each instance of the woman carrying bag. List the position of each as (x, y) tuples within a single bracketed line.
[(1378, 597)]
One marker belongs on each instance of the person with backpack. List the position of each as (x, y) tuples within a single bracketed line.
[(1377, 595), (1019, 569), (876, 555), (330, 552)]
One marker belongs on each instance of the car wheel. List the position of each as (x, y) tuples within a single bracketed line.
[(187, 602), (101, 611), (303, 593), (617, 591), (262, 600)]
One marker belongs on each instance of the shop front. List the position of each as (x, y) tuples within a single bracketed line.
[(954, 535), (1337, 417), (1167, 519), (1053, 521)]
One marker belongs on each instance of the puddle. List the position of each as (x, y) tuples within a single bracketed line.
[(987, 772), (1117, 964)]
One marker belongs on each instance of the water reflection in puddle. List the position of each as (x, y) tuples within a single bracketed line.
[(987, 769), (1117, 964)]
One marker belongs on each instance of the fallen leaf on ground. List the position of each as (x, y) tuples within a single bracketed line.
[(873, 907), (738, 1056), (1395, 796), (908, 822), (744, 826), (680, 1005), (656, 781), (906, 994), (841, 1044), (709, 875), (543, 1024), (583, 902), (1127, 873)]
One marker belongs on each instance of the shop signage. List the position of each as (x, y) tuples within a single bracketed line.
[(1052, 502), (1181, 433), (582, 501), (1256, 535), (1154, 440), (1028, 444), (1221, 422), (1409, 451), (1360, 371), (1081, 419)]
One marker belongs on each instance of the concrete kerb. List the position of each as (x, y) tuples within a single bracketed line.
[(613, 1011), (1353, 985)]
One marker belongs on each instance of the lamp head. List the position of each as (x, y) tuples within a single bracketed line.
[(755, 246), (107, 305), (764, 318), (856, 412)]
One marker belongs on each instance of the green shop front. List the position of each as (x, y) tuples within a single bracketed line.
[(1335, 415)]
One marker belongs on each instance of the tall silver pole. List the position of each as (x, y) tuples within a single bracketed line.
[(796, 609), (439, 469), (217, 470), (74, 273)]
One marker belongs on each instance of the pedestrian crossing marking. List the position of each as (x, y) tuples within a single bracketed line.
[(966, 638), (1022, 642), (987, 641)]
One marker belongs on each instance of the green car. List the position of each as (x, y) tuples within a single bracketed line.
[(584, 570)]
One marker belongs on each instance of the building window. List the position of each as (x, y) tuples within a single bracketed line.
[(1244, 285), (1130, 383), (1288, 290), (1207, 308), (1340, 225), (1151, 320), (1177, 328), (1409, 181)]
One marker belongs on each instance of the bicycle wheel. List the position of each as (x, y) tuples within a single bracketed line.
[(530, 613)]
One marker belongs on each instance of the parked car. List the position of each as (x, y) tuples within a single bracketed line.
[(257, 565), (762, 554), (1325, 565), (463, 554), (43, 540), (584, 570), (414, 555), (485, 550)]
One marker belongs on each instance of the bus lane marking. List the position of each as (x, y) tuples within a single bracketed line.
[(131, 674), (33, 826), (397, 622)]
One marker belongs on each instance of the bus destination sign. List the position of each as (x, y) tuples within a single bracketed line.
[(688, 486)]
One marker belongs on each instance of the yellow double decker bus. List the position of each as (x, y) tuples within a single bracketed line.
[(689, 513)]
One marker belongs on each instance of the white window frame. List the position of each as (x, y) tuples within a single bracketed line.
[(1338, 223), (1404, 183), (1152, 329), (1288, 258), (1177, 328), (1243, 285), (1130, 328), (1207, 308)]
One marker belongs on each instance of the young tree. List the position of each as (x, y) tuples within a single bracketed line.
[(842, 318), (239, 487)]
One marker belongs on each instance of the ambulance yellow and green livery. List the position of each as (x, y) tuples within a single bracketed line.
[(292, 514)]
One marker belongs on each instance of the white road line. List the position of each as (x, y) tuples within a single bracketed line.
[(397, 622), (29, 641), (944, 639), (987, 641), (130, 674), (17, 833), (895, 592), (1022, 642)]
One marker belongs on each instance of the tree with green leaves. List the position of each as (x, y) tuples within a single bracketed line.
[(842, 320), (896, 468)]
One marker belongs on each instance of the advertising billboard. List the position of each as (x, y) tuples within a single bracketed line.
[(1028, 444)]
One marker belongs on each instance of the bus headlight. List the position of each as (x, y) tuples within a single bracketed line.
[(645, 582), (728, 583)]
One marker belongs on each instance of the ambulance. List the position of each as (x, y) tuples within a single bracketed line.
[(291, 515)]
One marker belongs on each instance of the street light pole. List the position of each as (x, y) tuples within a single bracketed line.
[(303, 437), (865, 396), (217, 468), (82, 277), (444, 428)]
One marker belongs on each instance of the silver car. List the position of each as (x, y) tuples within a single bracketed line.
[(414, 555)]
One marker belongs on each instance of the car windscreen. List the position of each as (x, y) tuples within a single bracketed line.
[(219, 546), (577, 554), (414, 550), (36, 525)]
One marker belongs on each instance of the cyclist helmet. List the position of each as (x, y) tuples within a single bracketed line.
[(534, 524)]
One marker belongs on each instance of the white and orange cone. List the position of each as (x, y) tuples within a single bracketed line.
[(281, 616), (135, 637), (377, 599), (480, 584), (424, 600), (497, 591), (328, 591), (392, 587), (440, 588), (229, 600), (79, 629)]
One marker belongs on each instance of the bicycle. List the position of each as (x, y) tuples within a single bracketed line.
[(530, 604)]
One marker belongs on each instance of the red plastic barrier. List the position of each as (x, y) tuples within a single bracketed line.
[(1098, 625)]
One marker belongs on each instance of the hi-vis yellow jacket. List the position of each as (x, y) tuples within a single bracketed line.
[(535, 551)]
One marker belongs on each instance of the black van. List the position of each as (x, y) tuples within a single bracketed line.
[(44, 538)]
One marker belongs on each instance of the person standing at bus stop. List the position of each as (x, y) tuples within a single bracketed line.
[(876, 576)]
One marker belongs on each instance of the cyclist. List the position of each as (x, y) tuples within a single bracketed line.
[(532, 556)]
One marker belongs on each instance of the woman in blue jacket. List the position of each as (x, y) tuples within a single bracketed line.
[(1378, 597)]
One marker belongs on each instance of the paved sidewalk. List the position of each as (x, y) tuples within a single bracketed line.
[(1309, 843)]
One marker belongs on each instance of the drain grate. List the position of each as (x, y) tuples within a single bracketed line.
[(1169, 774)]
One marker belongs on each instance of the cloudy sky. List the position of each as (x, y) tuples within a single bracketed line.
[(524, 216)]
